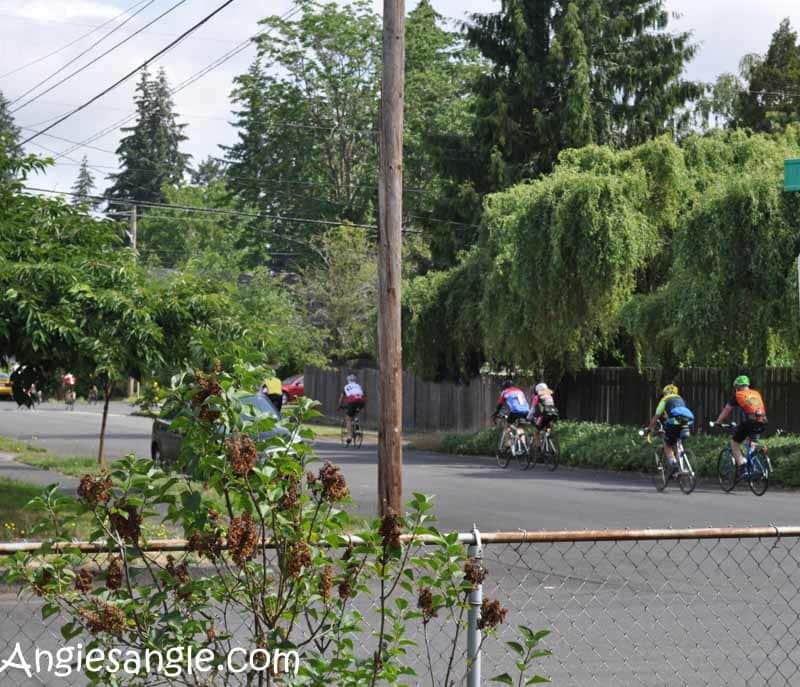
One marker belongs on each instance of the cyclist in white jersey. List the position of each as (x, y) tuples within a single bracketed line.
[(352, 399)]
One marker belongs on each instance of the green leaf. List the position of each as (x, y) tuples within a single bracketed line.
[(503, 679)]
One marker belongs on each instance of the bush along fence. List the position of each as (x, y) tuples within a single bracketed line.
[(619, 607), (611, 395)]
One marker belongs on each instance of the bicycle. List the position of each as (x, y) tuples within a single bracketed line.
[(548, 449), (519, 446), (356, 434), (69, 399), (757, 472), (685, 474)]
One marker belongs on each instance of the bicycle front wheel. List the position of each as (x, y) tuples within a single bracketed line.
[(660, 478), (759, 475), (358, 435), (726, 470), (687, 480)]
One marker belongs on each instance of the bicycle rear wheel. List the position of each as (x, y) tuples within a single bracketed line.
[(523, 450), (726, 470), (660, 478), (549, 449), (687, 480), (759, 475), (345, 433)]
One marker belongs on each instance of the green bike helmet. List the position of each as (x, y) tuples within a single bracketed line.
[(742, 380)]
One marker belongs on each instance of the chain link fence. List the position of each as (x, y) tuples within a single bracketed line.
[(667, 607)]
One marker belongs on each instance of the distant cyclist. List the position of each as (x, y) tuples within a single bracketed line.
[(513, 401), (753, 421), (352, 399), (543, 410), (676, 419)]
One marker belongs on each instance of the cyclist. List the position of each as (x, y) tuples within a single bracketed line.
[(754, 417), (352, 399), (272, 388), (513, 401), (676, 418), (543, 410)]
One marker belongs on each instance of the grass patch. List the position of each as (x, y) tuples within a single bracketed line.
[(613, 447), (74, 466), (18, 521), (8, 445)]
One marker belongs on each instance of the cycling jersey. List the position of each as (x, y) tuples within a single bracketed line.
[(514, 399), (674, 410), (751, 403), (353, 393)]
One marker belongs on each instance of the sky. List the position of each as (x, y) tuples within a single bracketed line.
[(725, 30)]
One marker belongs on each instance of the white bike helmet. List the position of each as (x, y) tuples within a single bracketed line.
[(541, 387), (352, 379)]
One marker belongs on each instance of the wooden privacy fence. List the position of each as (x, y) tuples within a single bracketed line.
[(614, 395)]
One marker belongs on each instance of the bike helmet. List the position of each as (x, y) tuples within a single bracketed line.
[(670, 390), (507, 384), (541, 387), (742, 380), (352, 378)]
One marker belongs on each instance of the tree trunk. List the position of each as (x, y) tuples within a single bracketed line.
[(107, 393)]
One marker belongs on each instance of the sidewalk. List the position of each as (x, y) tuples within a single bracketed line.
[(20, 472)]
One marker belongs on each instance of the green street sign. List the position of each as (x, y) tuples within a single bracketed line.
[(791, 175)]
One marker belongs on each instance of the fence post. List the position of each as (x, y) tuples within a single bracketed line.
[(473, 633)]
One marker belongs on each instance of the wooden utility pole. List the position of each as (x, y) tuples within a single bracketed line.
[(390, 237), (133, 387)]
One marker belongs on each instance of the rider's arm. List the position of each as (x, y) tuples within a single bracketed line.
[(660, 410), (725, 413)]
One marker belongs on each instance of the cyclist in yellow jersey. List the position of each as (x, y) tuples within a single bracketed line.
[(676, 419)]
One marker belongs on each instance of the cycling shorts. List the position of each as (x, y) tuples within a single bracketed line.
[(674, 432), (513, 417), (354, 407), (748, 429)]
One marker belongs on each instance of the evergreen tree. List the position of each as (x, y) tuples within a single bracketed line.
[(150, 152), (770, 100), (566, 72), (9, 132), (84, 185), (208, 171)]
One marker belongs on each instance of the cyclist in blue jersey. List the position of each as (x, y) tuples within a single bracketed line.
[(513, 401)]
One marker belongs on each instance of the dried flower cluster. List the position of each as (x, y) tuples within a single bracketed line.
[(180, 572), (83, 580), (104, 618), (345, 588), (299, 558), (242, 454), (211, 633), (474, 572), (425, 604), (206, 543), (208, 386), (127, 523), (242, 538), (94, 491), (291, 497), (390, 529), (114, 573), (334, 487), (492, 614), (326, 583)]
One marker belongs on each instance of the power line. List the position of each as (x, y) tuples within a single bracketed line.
[(69, 45), (188, 82), (132, 72), (96, 59)]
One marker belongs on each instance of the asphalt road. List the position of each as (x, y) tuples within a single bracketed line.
[(638, 613), (467, 489)]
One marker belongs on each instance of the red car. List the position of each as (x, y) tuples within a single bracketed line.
[(292, 388)]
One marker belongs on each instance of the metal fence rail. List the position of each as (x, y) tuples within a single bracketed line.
[(645, 607)]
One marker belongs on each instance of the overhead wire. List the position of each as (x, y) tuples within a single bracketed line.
[(71, 43), (91, 62), (131, 73)]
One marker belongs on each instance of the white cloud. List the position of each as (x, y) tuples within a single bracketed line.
[(47, 10)]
